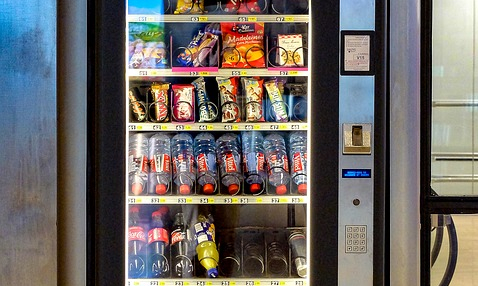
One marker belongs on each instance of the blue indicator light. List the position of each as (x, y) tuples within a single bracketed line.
[(356, 173)]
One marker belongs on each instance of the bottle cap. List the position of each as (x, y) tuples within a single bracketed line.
[(208, 189), (281, 189), (302, 189), (137, 188), (212, 273), (184, 190), (161, 189), (233, 189), (255, 188)]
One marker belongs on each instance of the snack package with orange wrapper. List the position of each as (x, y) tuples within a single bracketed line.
[(158, 111), (243, 45)]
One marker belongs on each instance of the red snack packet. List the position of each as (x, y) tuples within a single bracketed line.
[(183, 102), (243, 45)]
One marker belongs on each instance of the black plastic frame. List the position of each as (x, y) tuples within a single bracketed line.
[(372, 52), (430, 204)]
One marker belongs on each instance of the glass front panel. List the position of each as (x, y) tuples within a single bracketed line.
[(455, 100), (217, 98)]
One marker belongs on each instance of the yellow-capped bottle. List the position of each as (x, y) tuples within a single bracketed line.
[(206, 246)]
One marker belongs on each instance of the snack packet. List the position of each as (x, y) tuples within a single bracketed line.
[(207, 109), (189, 6), (243, 45), (290, 53), (158, 111), (146, 46), (278, 106), (254, 104), (136, 106), (242, 6), (183, 102), (228, 94)]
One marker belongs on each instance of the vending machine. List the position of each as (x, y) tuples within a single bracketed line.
[(234, 143)]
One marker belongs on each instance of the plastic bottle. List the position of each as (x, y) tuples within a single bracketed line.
[(181, 258), (298, 157), (205, 154), (298, 251), (138, 163), (277, 162), (136, 246), (229, 160), (206, 248), (183, 162), (158, 241), (159, 178), (254, 161)]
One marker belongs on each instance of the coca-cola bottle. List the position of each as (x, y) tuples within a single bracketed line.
[(181, 258), (136, 246), (158, 242)]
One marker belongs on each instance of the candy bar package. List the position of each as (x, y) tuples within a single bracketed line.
[(189, 7), (207, 110), (242, 7), (147, 49), (228, 90), (136, 105), (290, 51), (252, 88), (183, 102), (202, 50), (243, 45), (158, 109), (277, 106)]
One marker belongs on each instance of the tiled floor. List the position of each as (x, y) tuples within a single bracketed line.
[(466, 273)]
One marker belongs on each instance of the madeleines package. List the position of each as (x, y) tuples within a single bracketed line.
[(243, 45)]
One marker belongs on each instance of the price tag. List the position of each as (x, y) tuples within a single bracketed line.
[(132, 127), (294, 127), (139, 127), (228, 201), (283, 126), (142, 19), (153, 283), (248, 127), (203, 19), (296, 200), (210, 127), (257, 127), (156, 127), (204, 73), (154, 72), (304, 127), (259, 200), (274, 127), (289, 19), (235, 127), (151, 19), (194, 73), (139, 200), (156, 200), (274, 200), (187, 127), (131, 200), (143, 73), (293, 73)]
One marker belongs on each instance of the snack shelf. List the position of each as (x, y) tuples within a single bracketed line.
[(218, 199), (218, 282), (244, 126), (205, 18), (187, 72)]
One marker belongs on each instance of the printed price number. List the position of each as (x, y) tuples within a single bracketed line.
[(202, 127), (182, 200), (299, 283), (142, 19), (131, 201), (194, 73), (225, 283), (204, 200), (235, 73), (228, 201), (294, 127), (157, 200), (284, 19), (227, 127), (143, 73), (248, 127), (244, 200), (156, 127), (296, 200), (283, 72), (275, 283), (252, 283), (275, 201), (132, 127), (199, 19), (180, 127), (178, 283), (154, 283), (283, 127)]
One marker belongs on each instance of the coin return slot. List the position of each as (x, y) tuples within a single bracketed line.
[(357, 137)]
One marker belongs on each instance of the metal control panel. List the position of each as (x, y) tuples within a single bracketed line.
[(356, 153)]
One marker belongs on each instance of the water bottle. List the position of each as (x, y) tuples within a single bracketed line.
[(206, 248), (136, 246), (298, 157), (158, 241), (253, 161), (277, 162), (138, 163), (160, 164), (205, 154), (181, 258), (184, 173), (229, 160)]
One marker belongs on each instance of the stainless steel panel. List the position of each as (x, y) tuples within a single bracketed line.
[(28, 154), (404, 142), (72, 96)]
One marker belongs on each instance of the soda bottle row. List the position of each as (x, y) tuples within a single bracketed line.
[(251, 162), (159, 247), (237, 99)]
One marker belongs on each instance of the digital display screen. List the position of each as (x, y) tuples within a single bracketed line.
[(356, 173)]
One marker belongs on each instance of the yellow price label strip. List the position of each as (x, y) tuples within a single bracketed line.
[(139, 127), (235, 201), (203, 19), (252, 19), (293, 73), (256, 127), (289, 19), (210, 127), (204, 73), (259, 200), (283, 126)]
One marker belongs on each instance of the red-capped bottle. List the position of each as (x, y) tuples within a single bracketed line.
[(158, 243), (136, 246)]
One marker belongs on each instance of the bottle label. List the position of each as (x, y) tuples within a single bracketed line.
[(230, 163), (161, 163), (158, 234), (253, 162), (278, 162), (298, 162), (138, 164), (183, 163), (177, 236), (204, 232), (136, 233)]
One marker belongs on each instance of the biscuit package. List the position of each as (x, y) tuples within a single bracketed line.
[(243, 45)]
